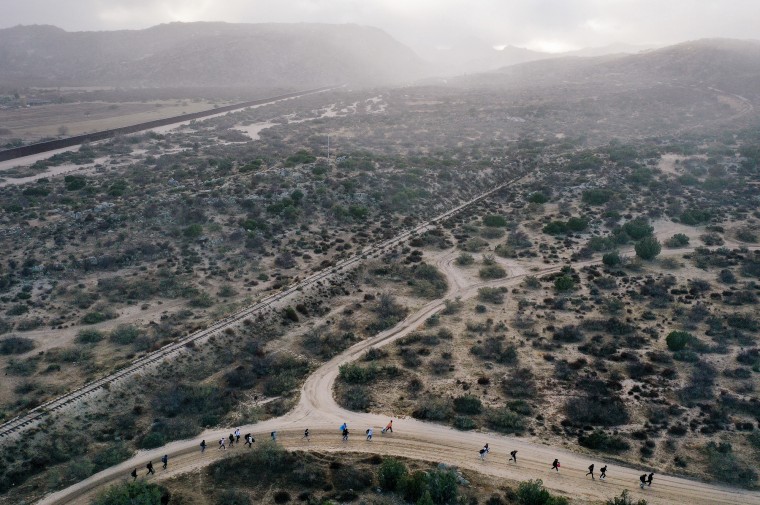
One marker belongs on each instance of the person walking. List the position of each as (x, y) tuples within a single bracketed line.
[(388, 427), (165, 460), (203, 446), (643, 480), (345, 434), (249, 440), (222, 444), (274, 436), (369, 434), (343, 427), (306, 435), (149, 466), (513, 456), (649, 479), (555, 465), (591, 471), (484, 452), (603, 472), (232, 440), (134, 475), (237, 435)]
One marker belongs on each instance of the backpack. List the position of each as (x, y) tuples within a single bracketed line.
[(367, 432), (482, 451)]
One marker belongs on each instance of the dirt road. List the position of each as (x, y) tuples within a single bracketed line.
[(318, 411)]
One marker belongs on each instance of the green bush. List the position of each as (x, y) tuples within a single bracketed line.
[(494, 221), (564, 283), (648, 248), (577, 224), (124, 334), (464, 423), (611, 259), (15, 345), (598, 440), (491, 295), (467, 404), (723, 464), (133, 493), (465, 259), (638, 228), (505, 421), (677, 240), (89, 337), (492, 272), (533, 492), (596, 196), (625, 499), (538, 197), (555, 228), (352, 373), (153, 440), (96, 317), (679, 340), (391, 474), (694, 217), (443, 486)]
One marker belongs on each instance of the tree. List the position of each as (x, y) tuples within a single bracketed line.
[(391, 474), (611, 259), (533, 492), (638, 228), (564, 283), (647, 248), (131, 493)]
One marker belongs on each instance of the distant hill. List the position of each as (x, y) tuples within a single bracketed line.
[(729, 65), (206, 54)]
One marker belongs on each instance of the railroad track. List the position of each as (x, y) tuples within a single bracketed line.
[(20, 423)]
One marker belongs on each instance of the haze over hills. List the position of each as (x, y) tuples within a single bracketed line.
[(206, 54), (727, 64)]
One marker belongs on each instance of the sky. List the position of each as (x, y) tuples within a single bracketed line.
[(544, 25)]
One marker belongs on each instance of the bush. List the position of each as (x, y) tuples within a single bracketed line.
[(694, 217), (442, 484), (677, 240), (611, 259), (233, 497), (391, 474), (15, 345), (504, 421), (648, 248), (464, 423), (679, 340), (596, 196), (467, 404), (352, 373), (577, 224), (131, 493), (491, 295), (596, 411), (465, 259), (89, 337), (598, 440), (533, 492), (638, 228), (726, 467), (555, 228), (564, 283), (492, 272), (494, 221), (96, 317), (625, 499), (124, 334), (538, 197), (432, 409)]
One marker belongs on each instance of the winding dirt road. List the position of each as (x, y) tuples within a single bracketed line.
[(318, 411)]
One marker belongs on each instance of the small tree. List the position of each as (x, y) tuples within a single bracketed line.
[(564, 283), (391, 474), (611, 259), (648, 248)]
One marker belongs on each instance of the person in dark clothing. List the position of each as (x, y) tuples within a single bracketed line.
[(603, 472), (203, 446), (306, 434), (513, 456), (149, 466), (643, 480), (134, 475), (649, 479), (165, 460), (274, 436), (232, 440), (249, 440), (591, 471), (345, 434), (555, 465)]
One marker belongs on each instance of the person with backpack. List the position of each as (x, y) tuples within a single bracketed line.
[(306, 435), (513, 456), (249, 440), (649, 479), (237, 435), (643, 480), (369, 434), (149, 466), (203, 446), (345, 434), (232, 440), (591, 471), (603, 472), (222, 444), (484, 452), (274, 436), (555, 465), (134, 475), (165, 460)]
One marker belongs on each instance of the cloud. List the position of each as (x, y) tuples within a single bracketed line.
[(536, 23)]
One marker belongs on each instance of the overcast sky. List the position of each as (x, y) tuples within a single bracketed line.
[(552, 25)]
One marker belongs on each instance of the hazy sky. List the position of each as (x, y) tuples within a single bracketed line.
[(552, 25)]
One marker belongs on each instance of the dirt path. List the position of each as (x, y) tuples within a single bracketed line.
[(318, 411)]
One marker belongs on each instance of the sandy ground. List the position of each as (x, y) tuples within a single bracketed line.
[(318, 411)]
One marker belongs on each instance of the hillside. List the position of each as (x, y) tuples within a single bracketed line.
[(730, 65), (205, 54)]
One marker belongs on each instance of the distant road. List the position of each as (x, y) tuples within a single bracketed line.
[(53, 145)]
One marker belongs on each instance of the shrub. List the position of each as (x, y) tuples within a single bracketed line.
[(491, 295), (124, 334), (465, 259), (89, 337), (96, 317), (533, 492), (694, 217), (538, 197), (596, 410), (596, 196), (648, 248), (611, 259), (391, 474), (555, 228), (638, 228), (130, 493), (577, 224), (492, 272), (494, 221), (193, 231), (679, 340), (15, 345), (504, 421), (564, 283), (464, 423), (598, 440), (726, 467), (232, 497), (467, 404), (677, 240), (625, 499), (352, 373), (442, 484), (432, 409)]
